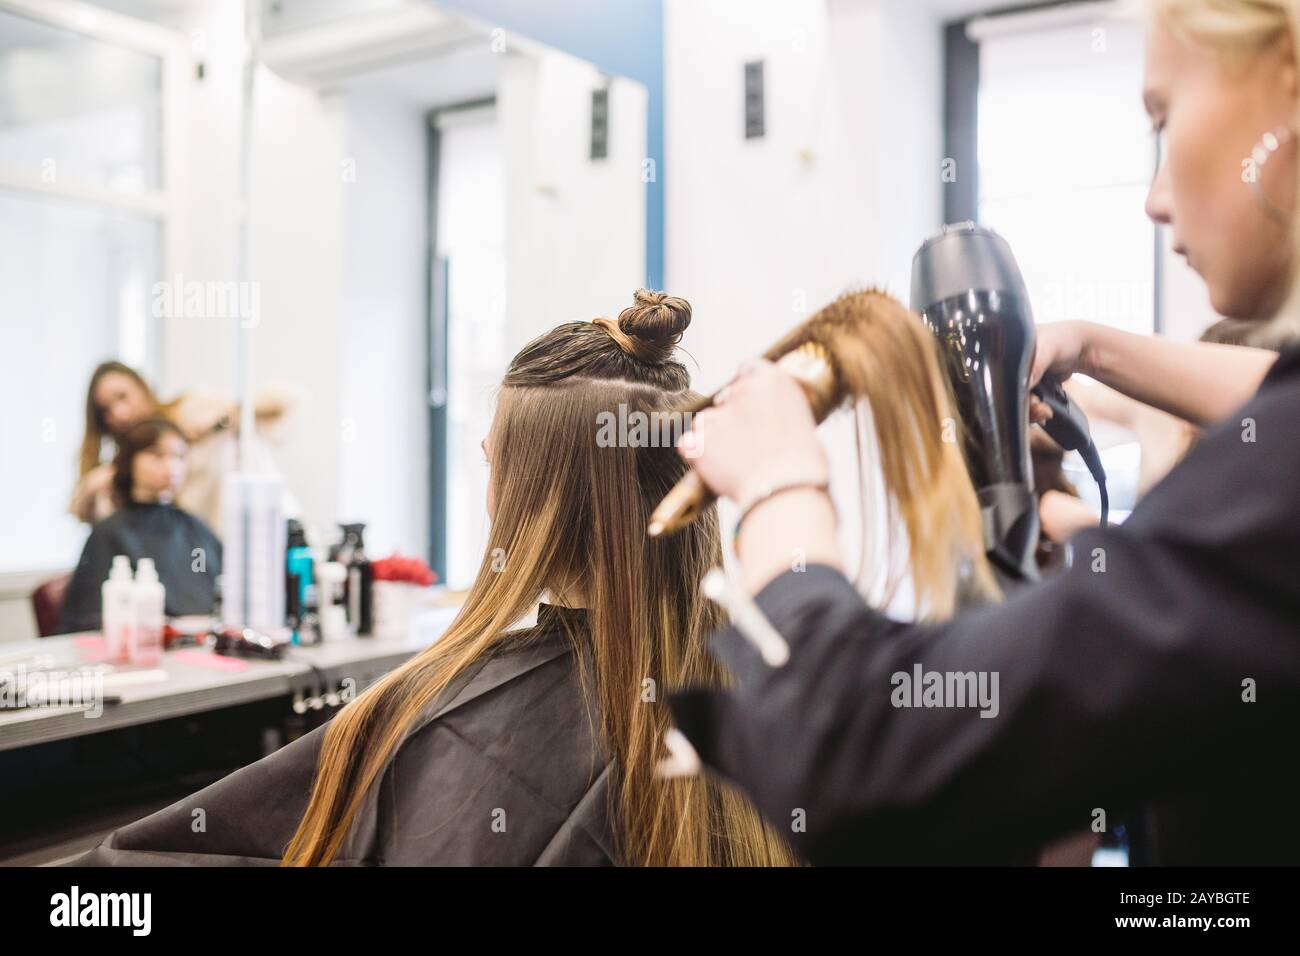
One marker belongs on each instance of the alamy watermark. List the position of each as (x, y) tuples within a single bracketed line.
[(133, 911), (181, 299), (638, 429), (922, 688), (53, 688)]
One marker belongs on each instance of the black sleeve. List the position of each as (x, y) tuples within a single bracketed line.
[(1121, 681), (81, 601)]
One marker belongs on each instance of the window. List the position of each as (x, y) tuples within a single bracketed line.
[(471, 237), (1066, 156)]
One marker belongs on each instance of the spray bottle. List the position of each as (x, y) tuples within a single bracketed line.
[(118, 609), (150, 597), (298, 577), (358, 589)]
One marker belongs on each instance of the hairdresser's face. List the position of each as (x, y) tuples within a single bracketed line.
[(158, 471), (1212, 116), (120, 400)]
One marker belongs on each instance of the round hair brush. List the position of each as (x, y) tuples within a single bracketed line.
[(808, 364)]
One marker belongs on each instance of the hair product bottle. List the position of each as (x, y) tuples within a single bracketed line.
[(117, 609), (332, 617), (298, 575), (361, 579), (150, 597)]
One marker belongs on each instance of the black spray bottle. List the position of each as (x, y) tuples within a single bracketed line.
[(359, 587)]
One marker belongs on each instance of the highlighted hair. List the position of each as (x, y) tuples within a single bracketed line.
[(888, 364), (571, 513)]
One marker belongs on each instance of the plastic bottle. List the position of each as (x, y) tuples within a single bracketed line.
[(360, 586), (330, 576), (117, 609), (298, 569), (150, 597)]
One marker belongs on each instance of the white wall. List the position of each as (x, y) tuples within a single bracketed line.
[(575, 227), (296, 207), (205, 228), (839, 192), (383, 462), (296, 200), (297, 196)]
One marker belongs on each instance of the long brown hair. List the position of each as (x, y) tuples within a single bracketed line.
[(92, 439), (570, 513), (887, 363)]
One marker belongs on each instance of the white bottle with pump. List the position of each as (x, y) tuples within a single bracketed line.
[(117, 609), (150, 598)]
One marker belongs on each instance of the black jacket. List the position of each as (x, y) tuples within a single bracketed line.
[(171, 537), (504, 769), (1125, 686)]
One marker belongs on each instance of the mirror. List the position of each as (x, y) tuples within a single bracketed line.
[(340, 242)]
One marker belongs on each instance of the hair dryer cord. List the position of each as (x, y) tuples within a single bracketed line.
[(1092, 458)]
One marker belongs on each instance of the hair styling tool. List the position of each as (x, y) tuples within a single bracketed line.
[(810, 366), (1068, 427), (969, 291)]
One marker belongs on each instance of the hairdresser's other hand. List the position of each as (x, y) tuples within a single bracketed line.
[(1063, 515), (98, 479), (93, 483), (1063, 349), (761, 435)]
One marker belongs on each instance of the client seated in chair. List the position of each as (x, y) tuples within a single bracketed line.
[(147, 472), (508, 742)]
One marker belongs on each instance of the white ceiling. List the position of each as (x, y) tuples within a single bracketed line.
[(961, 9), (166, 11), (464, 73)]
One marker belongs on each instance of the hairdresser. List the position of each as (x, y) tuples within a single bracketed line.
[(118, 397), (1157, 681)]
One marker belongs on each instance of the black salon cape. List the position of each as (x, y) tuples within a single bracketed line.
[(502, 769), (171, 537), (1121, 686)]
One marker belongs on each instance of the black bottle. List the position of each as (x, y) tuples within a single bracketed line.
[(359, 585)]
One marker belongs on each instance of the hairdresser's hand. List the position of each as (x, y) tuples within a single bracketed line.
[(1062, 516), (761, 435), (98, 479), (93, 483), (200, 414), (1063, 349)]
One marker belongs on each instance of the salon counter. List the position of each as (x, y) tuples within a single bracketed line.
[(192, 680)]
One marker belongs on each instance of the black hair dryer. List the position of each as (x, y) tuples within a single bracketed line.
[(968, 289)]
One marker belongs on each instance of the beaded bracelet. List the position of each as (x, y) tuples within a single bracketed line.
[(822, 486)]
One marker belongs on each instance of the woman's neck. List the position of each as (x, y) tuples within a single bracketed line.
[(139, 497), (565, 597)]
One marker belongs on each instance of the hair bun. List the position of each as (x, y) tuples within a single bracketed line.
[(655, 322)]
